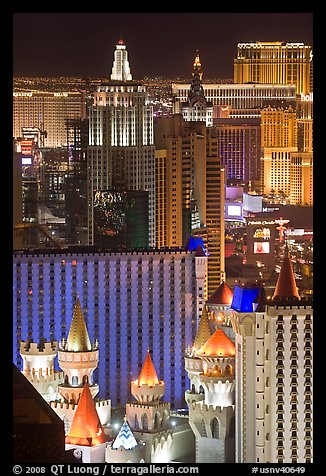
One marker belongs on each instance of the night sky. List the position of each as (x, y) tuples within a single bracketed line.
[(159, 44)]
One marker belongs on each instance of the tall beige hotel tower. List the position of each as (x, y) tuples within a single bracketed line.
[(274, 62)]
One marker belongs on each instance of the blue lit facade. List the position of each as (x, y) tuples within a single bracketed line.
[(244, 298), (131, 302)]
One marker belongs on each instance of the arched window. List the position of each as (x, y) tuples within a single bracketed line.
[(228, 371), (216, 371), (74, 381), (201, 389), (215, 427), (203, 428), (145, 422), (193, 388), (136, 423), (85, 379)]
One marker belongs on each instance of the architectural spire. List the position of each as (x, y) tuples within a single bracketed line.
[(121, 68), (222, 295), (203, 332), (286, 285), (78, 339), (86, 428), (148, 375), (218, 345), (197, 66)]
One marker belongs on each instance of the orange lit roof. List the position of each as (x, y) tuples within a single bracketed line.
[(86, 428), (148, 374), (218, 345), (286, 285), (222, 295)]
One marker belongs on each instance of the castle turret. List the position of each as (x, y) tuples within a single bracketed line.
[(78, 359), (211, 399), (38, 366), (149, 412), (86, 434)]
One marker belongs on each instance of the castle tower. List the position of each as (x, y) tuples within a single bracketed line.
[(121, 68), (86, 434), (274, 375), (149, 412), (211, 400), (193, 364), (125, 448), (38, 366), (78, 359), (164, 439), (218, 305)]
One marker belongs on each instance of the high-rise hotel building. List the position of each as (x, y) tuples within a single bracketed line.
[(190, 190), (274, 62), (131, 302), (47, 111), (121, 143), (274, 359)]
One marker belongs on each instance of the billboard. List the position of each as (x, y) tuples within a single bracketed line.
[(261, 247)]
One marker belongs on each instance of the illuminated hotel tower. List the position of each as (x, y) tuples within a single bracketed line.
[(274, 62), (121, 144), (278, 141), (210, 365), (121, 68), (274, 374), (190, 189)]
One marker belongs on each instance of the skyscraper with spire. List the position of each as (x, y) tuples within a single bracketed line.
[(274, 359), (120, 153), (197, 108), (121, 68)]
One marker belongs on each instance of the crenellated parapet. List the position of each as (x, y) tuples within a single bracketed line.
[(42, 348)]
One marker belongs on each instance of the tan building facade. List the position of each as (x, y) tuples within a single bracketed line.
[(274, 62)]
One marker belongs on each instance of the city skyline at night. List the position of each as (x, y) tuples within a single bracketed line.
[(163, 237), (159, 44)]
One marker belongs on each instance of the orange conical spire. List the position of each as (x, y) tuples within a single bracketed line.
[(222, 295), (86, 428), (78, 338), (148, 374), (219, 345), (286, 285)]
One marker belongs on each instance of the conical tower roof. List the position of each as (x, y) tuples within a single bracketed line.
[(125, 438), (148, 375), (204, 331), (86, 428), (261, 300), (78, 338), (218, 345), (286, 286), (222, 295)]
